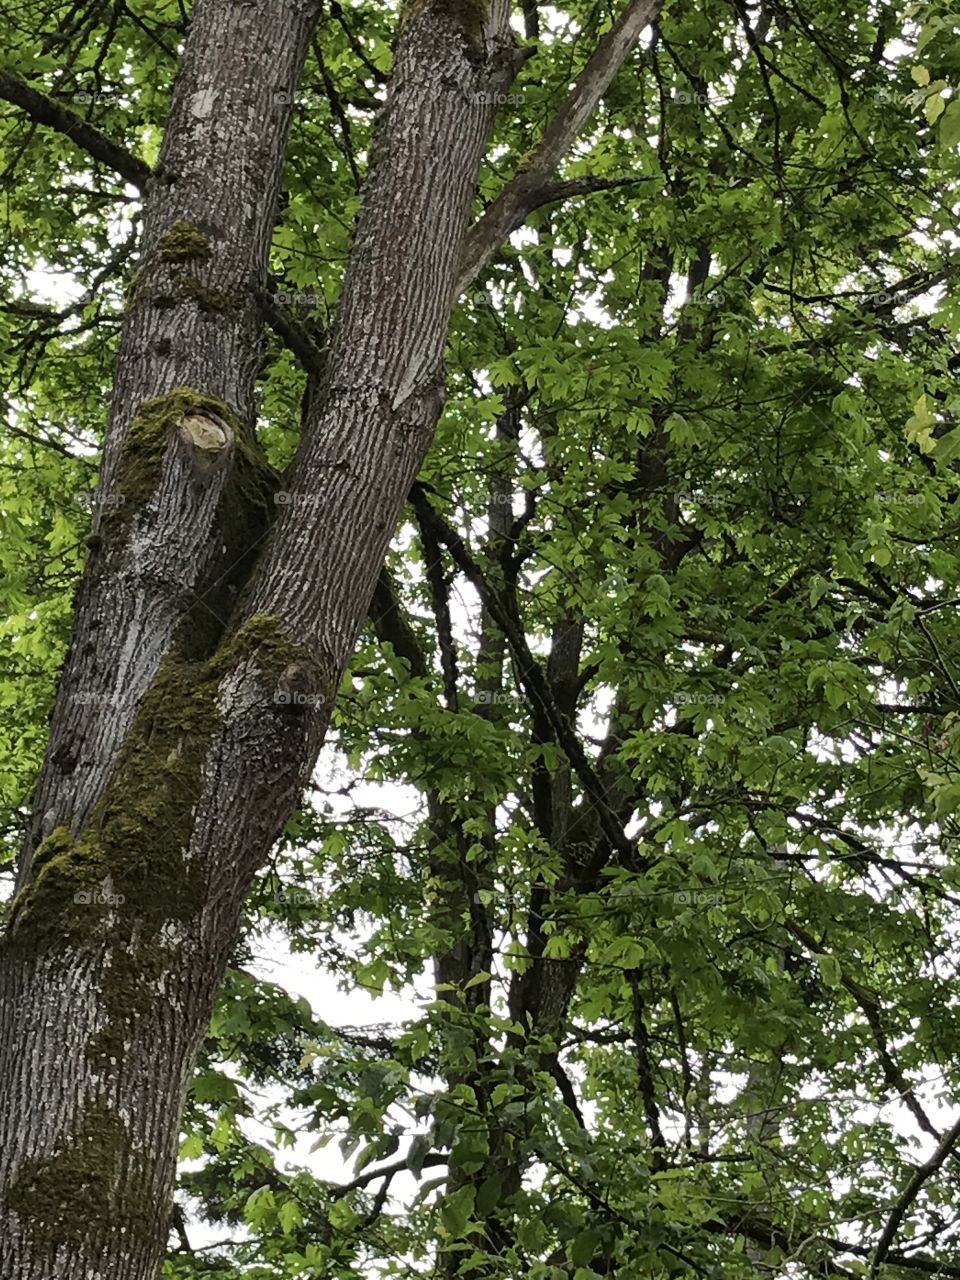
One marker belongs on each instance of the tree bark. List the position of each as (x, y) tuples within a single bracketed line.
[(152, 819)]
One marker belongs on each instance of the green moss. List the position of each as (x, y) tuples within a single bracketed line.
[(183, 241), (131, 862), (94, 1185), (265, 636), (145, 446), (128, 877), (57, 842), (207, 299)]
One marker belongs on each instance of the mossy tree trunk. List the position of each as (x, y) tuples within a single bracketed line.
[(172, 761), (172, 764)]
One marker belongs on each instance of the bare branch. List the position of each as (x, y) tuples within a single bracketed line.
[(525, 190), (46, 111)]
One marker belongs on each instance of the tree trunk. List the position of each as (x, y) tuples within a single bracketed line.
[(216, 665), (209, 637)]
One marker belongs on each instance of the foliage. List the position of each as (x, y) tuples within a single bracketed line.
[(665, 660)]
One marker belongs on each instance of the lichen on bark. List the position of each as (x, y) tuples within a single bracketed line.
[(469, 15)]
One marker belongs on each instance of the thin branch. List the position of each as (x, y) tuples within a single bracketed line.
[(292, 335), (44, 110), (910, 1192), (648, 1093), (530, 674), (870, 1007), (525, 190), (385, 1171)]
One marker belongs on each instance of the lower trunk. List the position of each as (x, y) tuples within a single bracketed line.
[(88, 1155)]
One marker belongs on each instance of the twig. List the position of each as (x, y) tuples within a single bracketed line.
[(44, 110)]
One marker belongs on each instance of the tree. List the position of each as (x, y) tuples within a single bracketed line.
[(686, 751)]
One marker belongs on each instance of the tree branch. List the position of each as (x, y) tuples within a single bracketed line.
[(526, 190), (910, 1192), (385, 1171), (44, 110), (311, 356), (530, 674)]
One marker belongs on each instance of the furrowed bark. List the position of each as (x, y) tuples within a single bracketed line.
[(105, 976), (172, 525), (132, 903)]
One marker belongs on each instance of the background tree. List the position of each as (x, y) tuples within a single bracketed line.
[(665, 648)]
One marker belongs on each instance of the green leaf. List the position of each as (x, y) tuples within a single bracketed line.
[(584, 1247), (456, 1209), (289, 1216), (488, 1194), (933, 107), (829, 970)]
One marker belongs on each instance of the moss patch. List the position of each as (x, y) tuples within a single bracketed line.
[(207, 299), (127, 878), (262, 635), (145, 446), (130, 862), (93, 1185), (182, 241)]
